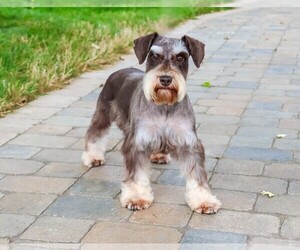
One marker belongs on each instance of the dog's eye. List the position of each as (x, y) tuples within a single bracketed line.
[(155, 56), (180, 59)]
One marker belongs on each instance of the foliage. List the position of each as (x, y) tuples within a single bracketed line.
[(41, 49)]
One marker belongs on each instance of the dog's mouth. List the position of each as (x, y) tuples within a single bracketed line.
[(165, 88), (165, 95), (166, 91)]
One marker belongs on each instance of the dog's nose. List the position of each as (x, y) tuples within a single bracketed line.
[(165, 80)]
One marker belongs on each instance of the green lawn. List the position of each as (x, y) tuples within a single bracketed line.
[(43, 48)]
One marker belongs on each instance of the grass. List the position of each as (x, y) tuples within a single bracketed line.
[(41, 49)]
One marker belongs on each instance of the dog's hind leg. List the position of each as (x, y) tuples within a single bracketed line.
[(96, 136)]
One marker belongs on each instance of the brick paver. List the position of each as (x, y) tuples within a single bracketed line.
[(26, 203), (291, 228), (107, 232), (294, 187), (12, 224), (35, 184), (238, 222), (283, 204), (15, 166), (207, 236), (252, 61), (164, 215), (58, 169), (236, 200), (54, 229), (92, 208)]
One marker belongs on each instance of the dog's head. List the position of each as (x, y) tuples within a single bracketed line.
[(167, 65)]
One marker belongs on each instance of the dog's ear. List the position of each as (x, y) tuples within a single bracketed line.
[(195, 48), (142, 46)]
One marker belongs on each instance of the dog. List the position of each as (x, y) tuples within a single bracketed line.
[(157, 119)]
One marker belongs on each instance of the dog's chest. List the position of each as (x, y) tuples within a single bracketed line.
[(154, 132)]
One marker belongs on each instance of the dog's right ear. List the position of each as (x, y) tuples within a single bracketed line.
[(142, 46)]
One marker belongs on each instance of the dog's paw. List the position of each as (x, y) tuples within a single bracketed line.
[(137, 205), (202, 201), (135, 196), (92, 160), (160, 158), (209, 207)]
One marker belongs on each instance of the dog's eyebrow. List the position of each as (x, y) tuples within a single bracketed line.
[(157, 49), (179, 47), (183, 53)]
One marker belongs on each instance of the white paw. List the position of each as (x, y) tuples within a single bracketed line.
[(209, 206), (201, 200), (136, 197), (137, 205), (91, 159)]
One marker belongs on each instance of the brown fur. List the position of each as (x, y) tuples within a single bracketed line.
[(159, 158)]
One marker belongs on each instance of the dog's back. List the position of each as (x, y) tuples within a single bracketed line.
[(128, 77), (120, 86)]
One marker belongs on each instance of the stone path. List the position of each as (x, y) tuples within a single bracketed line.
[(262, 3), (253, 63)]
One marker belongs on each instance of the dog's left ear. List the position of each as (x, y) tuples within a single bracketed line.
[(195, 48), (142, 46)]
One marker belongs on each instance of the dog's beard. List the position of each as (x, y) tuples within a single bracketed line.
[(165, 96), (158, 94)]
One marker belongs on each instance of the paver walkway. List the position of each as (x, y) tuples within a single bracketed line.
[(253, 63)]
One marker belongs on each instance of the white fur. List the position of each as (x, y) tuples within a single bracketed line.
[(197, 195), (149, 133), (178, 47), (153, 130), (137, 190), (149, 82), (152, 77), (157, 49), (169, 158), (187, 164), (180, 133), (181, 86), (95, 151)]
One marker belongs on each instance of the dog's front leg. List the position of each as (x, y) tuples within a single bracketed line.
[(198, 195), (136, 190)]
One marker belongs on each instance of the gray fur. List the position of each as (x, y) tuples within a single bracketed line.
[(148, 127)]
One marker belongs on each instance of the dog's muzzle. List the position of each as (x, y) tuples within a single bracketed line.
[(165, 91), (164, 88)]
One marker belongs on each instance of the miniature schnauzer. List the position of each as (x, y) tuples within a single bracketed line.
[(157, 119)]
